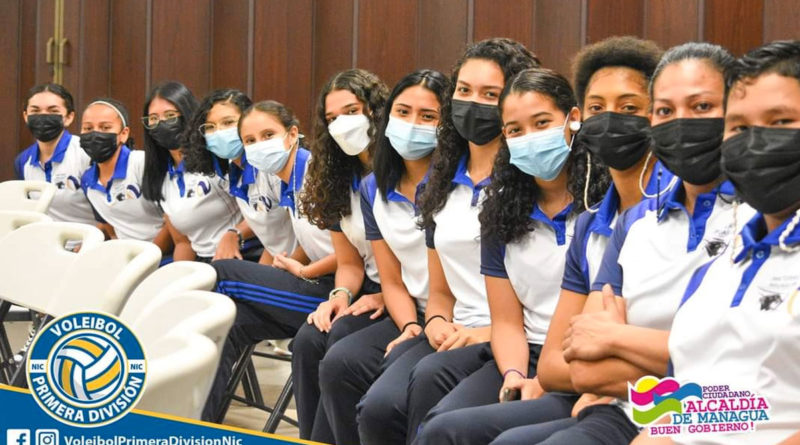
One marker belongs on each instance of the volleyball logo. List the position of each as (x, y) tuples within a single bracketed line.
[(86, 369)]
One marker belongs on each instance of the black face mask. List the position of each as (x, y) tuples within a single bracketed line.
[(764, 166), (619, 140), (168, 135), (45, 127), (477, 123), (98, 145), (690, 148)]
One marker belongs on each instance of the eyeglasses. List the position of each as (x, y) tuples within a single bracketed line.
[(170, 117), (224, 124)]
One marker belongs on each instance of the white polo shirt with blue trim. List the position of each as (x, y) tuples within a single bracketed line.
[(394, 220), (739, 325), (654, 250), (256, 195), (316, 243), (120, 201), (353, 228), (593, 230), (64, 170), (534, 265), (457, 240), (199, 206)]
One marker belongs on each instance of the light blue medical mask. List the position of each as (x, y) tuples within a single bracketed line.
[(225, 143), (411, 141), (541, 154), (268, 156)]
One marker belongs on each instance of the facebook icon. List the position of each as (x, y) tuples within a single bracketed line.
[(18, 437)]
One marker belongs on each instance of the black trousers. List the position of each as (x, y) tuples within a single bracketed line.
[(347, 371), (270, 304), (597, 424), (308, 348)]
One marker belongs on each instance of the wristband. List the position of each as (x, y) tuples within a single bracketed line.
[(238, 235), (510, 370), (409, 324), (332, 294), (428, 321)]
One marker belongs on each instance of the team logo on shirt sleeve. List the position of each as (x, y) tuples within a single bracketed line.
[(694, 409), (202, 188), (261, 203), (86, 369)]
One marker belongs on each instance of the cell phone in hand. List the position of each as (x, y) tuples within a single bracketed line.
[(509, 394)]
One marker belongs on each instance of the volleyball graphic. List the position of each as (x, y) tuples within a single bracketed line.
[(87, 368)]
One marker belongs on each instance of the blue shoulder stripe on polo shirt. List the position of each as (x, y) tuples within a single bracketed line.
[(295, 183), (31, 155)]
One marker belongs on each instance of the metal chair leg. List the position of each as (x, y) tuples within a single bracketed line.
[(280, 407)]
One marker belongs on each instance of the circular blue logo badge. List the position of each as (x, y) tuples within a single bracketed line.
[(86, 369)]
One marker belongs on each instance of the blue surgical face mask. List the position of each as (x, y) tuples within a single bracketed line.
[(541, 154), (225, 143), (268, 156), (411, 141)]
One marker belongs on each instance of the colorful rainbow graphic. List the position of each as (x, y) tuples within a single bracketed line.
[(653, 398)]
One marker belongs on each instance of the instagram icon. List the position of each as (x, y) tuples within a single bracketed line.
[(47, 437)]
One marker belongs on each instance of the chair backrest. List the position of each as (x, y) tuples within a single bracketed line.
[(180, 369), (103, 277), (168, 280), (34, 196), (11, 220), (33, 260), (206, 313)]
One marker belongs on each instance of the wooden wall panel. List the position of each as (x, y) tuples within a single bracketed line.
[(558, 34), (614, 18), (10, 36), (387, 47), (333, 40), (232, 49), (43, 29), (129, 59), (282, 54), (735, 24), (27, 62), (504, 18), (442, 33), (672, 22), (182, 43), (86, 26), (781, 19)]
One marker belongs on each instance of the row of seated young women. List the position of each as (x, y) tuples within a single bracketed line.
[(489, 257)]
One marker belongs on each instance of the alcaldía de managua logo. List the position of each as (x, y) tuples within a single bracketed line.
[(86, 369), (694, 409)]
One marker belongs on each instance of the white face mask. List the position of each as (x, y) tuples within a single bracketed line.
[(268, 156), (350, 131)]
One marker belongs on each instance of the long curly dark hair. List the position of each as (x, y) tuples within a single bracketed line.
[(196, 156), (512, 57), (157, 157), (512, 193), (326, 197), (387, 164)]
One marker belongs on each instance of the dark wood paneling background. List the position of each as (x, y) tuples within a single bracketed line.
[(287, 49)]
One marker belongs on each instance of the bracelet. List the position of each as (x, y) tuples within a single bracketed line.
[(238, 235), (303, 277), (409, 324), (428, 321), (332, 294), (509, 370)]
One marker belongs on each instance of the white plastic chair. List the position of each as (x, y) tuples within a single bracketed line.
[(34, 196), (11, 220), (33, 260), (180, 367), (103, 277), (172, 279)]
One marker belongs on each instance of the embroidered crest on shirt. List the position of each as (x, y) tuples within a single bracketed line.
[(716, 243), (68, 182)]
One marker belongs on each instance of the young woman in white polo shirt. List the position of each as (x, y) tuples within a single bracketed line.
[(406, 137), (198, 209), (55, 156), (214, 148), (527, 221), (349, 111), (457, 312), (113, 182), (656, 244), (737, 324)]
